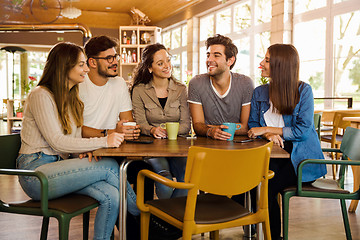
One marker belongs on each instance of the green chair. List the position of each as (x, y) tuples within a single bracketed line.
[(317, 123), (63, 208), (328, 188)]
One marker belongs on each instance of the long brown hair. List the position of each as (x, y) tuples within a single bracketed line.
[(284, 74), (61, 59), (141, 73)]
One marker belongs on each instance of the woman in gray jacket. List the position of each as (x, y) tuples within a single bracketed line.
[(158, 98)]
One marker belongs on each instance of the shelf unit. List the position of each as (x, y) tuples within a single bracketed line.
[(10, 113), (153, 32)]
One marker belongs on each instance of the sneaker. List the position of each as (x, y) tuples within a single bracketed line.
[(252, 230), (161, 230)]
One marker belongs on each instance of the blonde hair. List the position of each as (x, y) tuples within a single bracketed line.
[(61, 59)]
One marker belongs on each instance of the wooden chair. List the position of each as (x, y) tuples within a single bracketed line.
[(327, 188), (336, 136), (63, 208), (219, 173)]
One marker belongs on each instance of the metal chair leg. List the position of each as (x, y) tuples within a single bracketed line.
[(44, 228)]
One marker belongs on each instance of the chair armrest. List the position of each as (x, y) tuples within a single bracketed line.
[(270, 175), (18, 172), (158, 178), (163, 180), (321, 161), (331, 150), (43, 183)]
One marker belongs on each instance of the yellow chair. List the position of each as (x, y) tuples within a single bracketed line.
[(219, 173), (336, 136)]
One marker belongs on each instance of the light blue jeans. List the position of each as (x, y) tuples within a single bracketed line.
[(99, 180), (169, 167)]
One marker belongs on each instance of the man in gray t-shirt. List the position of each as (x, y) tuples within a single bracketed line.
[(220, 95)]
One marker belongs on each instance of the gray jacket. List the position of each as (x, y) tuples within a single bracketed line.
[(148, 112)]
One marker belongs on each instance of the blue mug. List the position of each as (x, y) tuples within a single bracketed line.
[(232, 127)]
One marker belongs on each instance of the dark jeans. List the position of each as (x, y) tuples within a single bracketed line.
[(133, 169), (285, 176)]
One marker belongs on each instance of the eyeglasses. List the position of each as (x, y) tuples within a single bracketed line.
[(109, 59)]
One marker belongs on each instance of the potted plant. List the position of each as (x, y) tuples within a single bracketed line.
[(19, 111), (29, 85)]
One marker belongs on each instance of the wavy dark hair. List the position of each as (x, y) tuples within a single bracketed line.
[(284, 74), (230, 48), (99, 44), (61, 59), (141, 73)]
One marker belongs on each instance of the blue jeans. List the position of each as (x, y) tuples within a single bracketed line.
[(99, 180), (169, 167)]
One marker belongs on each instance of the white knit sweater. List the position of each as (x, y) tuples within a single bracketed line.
[(42, 130)]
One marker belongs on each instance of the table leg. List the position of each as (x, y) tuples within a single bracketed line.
[(123, 206), (259, 230)]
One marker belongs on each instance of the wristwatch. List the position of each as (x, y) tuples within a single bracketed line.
[(105, 132)]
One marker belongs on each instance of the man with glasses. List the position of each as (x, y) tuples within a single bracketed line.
[(107, 103)]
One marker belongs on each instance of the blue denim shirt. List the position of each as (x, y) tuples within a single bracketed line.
[(299, 128)]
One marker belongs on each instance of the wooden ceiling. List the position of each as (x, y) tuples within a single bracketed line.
[(95, 13)]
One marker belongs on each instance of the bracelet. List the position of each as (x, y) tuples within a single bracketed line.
[(104, 132), (207, 133)]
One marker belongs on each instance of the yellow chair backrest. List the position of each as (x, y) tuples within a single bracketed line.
[(211, 170), (340, 124)]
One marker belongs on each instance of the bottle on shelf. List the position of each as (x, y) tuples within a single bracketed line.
[(133, 56), (123, 56), (124, 38), (133, 38), (129, 57)]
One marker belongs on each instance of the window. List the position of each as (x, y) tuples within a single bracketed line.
[(242, 16), (262, 42), (175, 39), (327, 37), (346, 54), (262, 13), (35, 64), (223, 22), (184, 36), (250, 32), (10, 71), (242, 64), (301, 6), (312, 53), (206, 27), (166, 40)]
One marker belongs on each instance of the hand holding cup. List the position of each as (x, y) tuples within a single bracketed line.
[(232, 127), (172, 129)]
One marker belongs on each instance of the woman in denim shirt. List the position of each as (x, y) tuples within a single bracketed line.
[(283, 112)]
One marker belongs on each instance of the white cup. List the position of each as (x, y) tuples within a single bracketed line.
[(129, 124)]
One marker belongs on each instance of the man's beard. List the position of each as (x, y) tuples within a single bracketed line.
[(103, 73)]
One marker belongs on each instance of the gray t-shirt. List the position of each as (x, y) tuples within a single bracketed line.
[(219, 109)]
